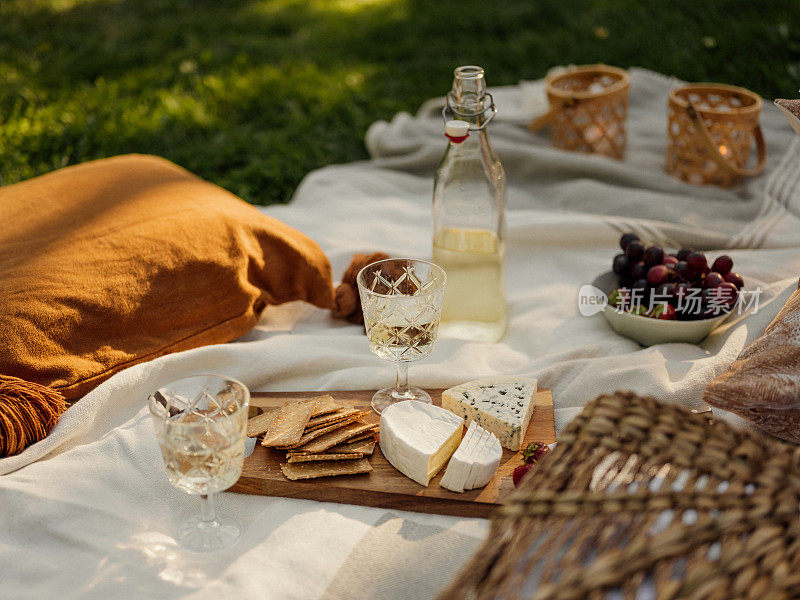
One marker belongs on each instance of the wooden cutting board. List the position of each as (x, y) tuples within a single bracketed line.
[(385, 486)]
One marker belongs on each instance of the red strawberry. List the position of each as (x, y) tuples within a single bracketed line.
[(535, 451), (531, 456), (520, 472)]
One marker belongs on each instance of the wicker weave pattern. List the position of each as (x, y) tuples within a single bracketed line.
[(641, 493), (730, 115), (589, 108)]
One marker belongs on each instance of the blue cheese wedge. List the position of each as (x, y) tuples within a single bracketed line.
[(418, 438), (503, 406), (475, 461)]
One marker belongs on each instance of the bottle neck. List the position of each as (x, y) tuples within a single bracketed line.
[(468, 95), (470, 109)]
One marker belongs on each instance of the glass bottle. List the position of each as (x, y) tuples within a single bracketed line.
[(469, 216)]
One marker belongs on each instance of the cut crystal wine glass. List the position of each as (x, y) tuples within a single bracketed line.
[(200, 423), (402, 303)]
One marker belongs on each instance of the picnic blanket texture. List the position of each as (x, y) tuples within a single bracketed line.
[(88, 512)]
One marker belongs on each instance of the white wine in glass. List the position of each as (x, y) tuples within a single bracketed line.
[(402, 303), (200, 423), (393, 342)]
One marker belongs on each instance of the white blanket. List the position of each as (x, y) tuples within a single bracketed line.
[(88, 512)]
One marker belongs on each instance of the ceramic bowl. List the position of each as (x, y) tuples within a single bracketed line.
[(649, 332)]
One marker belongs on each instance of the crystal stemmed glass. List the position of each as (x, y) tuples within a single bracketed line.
[(200, 423), (402, 303)]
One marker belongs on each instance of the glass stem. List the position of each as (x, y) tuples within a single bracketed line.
[(401, 389), (207, 515)]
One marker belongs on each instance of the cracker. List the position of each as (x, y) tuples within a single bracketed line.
[(341, 421), (312, 435), (289, 422), (366, 447), (295, 458), (326, 404), (330, 439), (334, 417), (369, 435), (327, 468), (323, 405), (260, 423)]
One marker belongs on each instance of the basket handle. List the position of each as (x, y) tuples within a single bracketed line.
[(717, 156)]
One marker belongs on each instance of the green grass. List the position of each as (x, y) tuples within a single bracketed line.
[(253, 94)]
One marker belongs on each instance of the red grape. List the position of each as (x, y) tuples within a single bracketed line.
[(723, 264), (713, 279), (698, 262), (684, 271), (727, 292), (664, 292), (682, 290), (653, 256), (670, 261), (620, 264), (626, 239), (658, 274), (635, 250), (721, 297), (735, 279), (639, 270), (689, 300), (683, 253)]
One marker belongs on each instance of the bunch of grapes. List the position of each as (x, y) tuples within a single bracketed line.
[(673, 286)]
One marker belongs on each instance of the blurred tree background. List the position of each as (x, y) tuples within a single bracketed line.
[(253, 94)]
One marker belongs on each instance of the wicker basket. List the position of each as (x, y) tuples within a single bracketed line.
[(641, 495), (588, 110), (710, 132)]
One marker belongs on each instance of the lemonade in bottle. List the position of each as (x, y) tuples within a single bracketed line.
[(469, 216)]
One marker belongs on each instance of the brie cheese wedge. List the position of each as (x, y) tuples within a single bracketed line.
[(418, 438), (475, 461), (504, 406), (475, 468), (459, 466)]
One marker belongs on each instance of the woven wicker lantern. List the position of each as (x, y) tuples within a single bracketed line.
[(710, 132), (588, 110)]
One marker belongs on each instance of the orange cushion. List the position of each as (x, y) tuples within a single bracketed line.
[(118, 261)]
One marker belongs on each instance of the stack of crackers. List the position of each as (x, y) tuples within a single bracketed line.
[(321, 437)]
